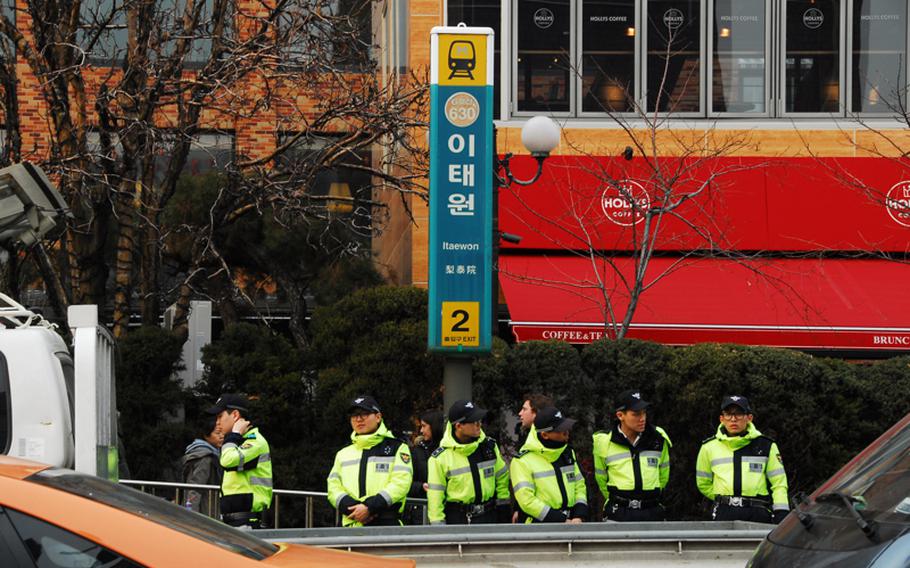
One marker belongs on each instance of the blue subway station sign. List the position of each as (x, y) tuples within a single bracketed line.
[(461, 190)]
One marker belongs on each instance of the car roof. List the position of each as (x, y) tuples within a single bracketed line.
[(111, 527), (18, 468)]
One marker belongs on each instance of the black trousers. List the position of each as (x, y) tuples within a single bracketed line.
[(252, 520), (386, 519), (456, 516), (730, 513), (616, 512)]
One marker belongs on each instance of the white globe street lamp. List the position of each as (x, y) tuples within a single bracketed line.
[(540, 136)]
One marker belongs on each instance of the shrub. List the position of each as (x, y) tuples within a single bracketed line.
[(267, 368), (373, 341), (147, 395)]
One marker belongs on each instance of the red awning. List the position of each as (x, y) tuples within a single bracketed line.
[(803, 303)]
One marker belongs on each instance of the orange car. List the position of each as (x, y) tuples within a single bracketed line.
[(57, 517)]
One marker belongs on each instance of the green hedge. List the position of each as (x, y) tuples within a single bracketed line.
[(821, 411)]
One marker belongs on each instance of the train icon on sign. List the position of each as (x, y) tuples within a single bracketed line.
[(462, 59)]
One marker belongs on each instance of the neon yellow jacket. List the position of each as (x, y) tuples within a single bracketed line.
[(387, 463), (450, 478), (741, 466), (534, 482), (614, 466), (247, 482)]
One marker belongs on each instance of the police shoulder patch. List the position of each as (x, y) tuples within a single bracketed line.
[(708, 439), (246, 446), (522, 453), (437, 452), (405, 457)]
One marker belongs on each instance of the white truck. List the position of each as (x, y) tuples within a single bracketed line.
[(57, 405)]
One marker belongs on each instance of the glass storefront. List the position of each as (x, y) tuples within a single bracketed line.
[(544, 68), (739, 63), (812, 40), (699, 58), (878, 62), (608, 56)]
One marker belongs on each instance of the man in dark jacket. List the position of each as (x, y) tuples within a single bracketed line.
[(199, 466)]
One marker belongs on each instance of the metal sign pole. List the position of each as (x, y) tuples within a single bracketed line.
[(461, 202)]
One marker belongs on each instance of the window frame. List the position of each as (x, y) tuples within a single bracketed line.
[(572, 56), (775, 53), (782, 63), (848, 59), (579, 66), (702, 64), (768, 72)]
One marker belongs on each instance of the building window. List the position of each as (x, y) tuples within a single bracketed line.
[(108, 19), (739, 57), (543, 63), (879, 53), (608, 56), (705, 58), (674, 56), (209, 153), (394, 37), (812, 47), (349, 179), (482, 14)]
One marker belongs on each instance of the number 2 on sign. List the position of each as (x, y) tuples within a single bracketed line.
[(461, 324)]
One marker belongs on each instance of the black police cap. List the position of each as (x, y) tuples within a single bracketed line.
[(550, 419), (736, 400), (631, 400), (364, 402), (230, 401), (465, 411)]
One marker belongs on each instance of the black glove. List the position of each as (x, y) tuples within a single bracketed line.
[(778, 516), (555, 516), (503, 514)]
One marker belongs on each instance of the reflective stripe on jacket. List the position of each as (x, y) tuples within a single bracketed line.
[(635, 471), (247, 482), (387, 471), (741, 466), (450, 477), (537, 489)]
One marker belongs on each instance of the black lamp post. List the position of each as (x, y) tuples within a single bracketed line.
[(540, 135)]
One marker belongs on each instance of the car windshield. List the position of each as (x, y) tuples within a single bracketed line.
[(156, 510), (879, 480)]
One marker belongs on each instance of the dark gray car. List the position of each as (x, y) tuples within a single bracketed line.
[(860, 517)]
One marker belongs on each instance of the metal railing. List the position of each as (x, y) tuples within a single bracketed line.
[(176, 493)]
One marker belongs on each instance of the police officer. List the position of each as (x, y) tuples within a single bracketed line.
[(737, 465), (632, 463), (371, 477), (546, 479), (468, 482), (246, 489)]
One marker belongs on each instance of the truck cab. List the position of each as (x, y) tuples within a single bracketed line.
[(36, 386), (57, 405)]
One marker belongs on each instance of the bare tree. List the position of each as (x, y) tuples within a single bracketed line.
[(662, 172), (881, 137), (128, 86)]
